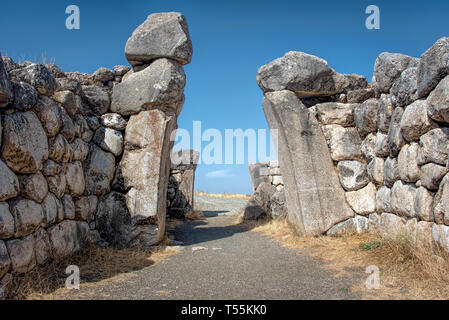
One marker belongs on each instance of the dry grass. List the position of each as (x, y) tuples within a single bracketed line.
[(406, 272), (97, 266), (223, 195)]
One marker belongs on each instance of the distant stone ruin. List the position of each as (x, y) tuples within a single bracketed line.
[(355, 156), (86, 158)]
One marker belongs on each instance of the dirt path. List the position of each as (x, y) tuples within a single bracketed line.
[(221, 260)]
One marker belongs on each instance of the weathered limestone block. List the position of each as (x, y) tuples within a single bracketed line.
[(335, 113), (352, 175), (113, 220), (415, 122), (369, 146), (360, 95), (258, 172), (109, 140), (6, 222), (424, 235), (389, 66), (315, 199), (424, 204), (85, 208), (431, 175), (391, 171), (68, 126), (9, 186), (146, 164), (50, 210), (382, 148), (27, 215), (103, 75), (57, 184), (277, 180), (403, 199), (42, 247), (6, 88), (69, 207), (33, 186), (390, 225), (99, 170), (383, 199), (160, 85), (97, 100), (440, 234), (438, 102), (65, 238), (68, 100), (345, 143), (59, 149), (162, 35), (80, 150), (441, 202), (258, 205), (5, 261), (113, 121), (363, 201), (395, 138), (51, 168), (434, 146), (83, 127), (49, 114), (25, 96), (25, 144), (408, 163), (433, 66), (21, 252), (183, 201), (38, 76), (74, 177), (306, 75), (346, 227), (120, 71), (385, 111), (375, 170), (278, 206), (365, 116), (403, 91)]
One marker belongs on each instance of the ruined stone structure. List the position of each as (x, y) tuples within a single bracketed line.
[(86, 158), (181, 184), (266, 172), (356, 156)]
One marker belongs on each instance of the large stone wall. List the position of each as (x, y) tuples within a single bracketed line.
[(86, 157), (356, 156)]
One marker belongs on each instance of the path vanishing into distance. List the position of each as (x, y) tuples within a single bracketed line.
[(234, 263)]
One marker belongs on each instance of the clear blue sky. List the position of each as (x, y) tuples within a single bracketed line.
[(231, 39)]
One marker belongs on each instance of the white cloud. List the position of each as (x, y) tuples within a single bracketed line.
[(225, 173)]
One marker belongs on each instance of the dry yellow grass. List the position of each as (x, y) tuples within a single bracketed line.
[(223, 195), (97, 266), (406, 272), (195, 215)]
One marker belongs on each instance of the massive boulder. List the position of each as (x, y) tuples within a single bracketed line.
[(99, 169), (66, 238), (306, 75), (146, 164), (9, 186), (25, 144), (259, 172), (433, 66), (438, 101), (315, 199), (38, 76), (162, 35), (259, 205), (415, 122), (6, 221), (388, 67), (160, 85), (352, 175), (344, 143), (22, 254), (336, 113), (403, 91)]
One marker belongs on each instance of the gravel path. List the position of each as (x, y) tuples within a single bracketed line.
[(220, 260)]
